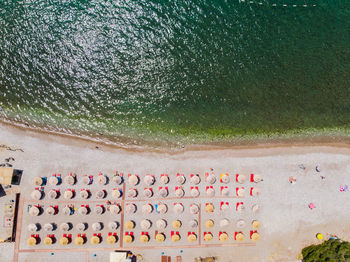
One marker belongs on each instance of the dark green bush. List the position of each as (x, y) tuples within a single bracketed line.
[(333, 250)]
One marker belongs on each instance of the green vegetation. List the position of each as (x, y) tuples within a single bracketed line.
[(333, 250)]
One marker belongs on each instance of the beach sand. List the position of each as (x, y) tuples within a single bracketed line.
[(287, 222)]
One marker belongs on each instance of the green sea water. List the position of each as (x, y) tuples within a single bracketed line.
[(177, 71)]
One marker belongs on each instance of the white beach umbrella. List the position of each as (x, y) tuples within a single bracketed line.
[(255, 191), (179, 192), (64, 227), (224, 207), (241, 192), (225, 191), (240, 209), (224, 222), (100, 194), (84, 194), (195, 179), (36, 194), (98, 210), (68, 194), (38, 181), (255, 208), (66, 210), (178, 208), (34, 211), (257, 178), (50, 210), (130, 208), (86, 180), (164, 179), (181, 179), (117, 179), (145, 224), (149, 180), (240, 223), (113, 225), (83, 210), (132, 192), (116, 193), (133, 180), (210, 192), (147, 193), (194, 209), (241, 179), (52, 194), (225, 178), (163, 192), (211, 179), (193, 223), (97, 226), (48, 227), (147, 209), (102, 180), (53, 181), (162, 208), (81, 226), (114, 209), (161, 224), (69, 180), (32, 228), (194, 192)]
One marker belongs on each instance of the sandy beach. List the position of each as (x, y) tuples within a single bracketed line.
[(287, 223)]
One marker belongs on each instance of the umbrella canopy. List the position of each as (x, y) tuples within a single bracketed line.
[(195, 179), (181, 179), (100, 194), (194, 209), (225, 191), (148, 180), (192, 238), (147, 208), (65, 227), (240, 223), (66, 210), (224, 222), (52, 194), (144, 238), (257, 178), (193, 223), (133, 180), (240, 192), (164, 179), (224, 207), (147, 192), (255, 208), (31, 241), (240, 208), (97, 226), (111, 239), (209, 223), (163, 192), (86, 180), (69, 180), (84, 194), (53, 181), (130, 208), (47, 241), (116, 193), (160, 237), (36, 194), (48, 227), (128, 239), (209, 208), (178, 208), (255, 191), (38, 181), (194, 192), (95, 240), (179, 192), (162, 208), (241, 179), (129, 224), (211, 179), (175, 237), (102, 180), (114, 209), (113, 225), (319, 236), (79, 241), (208, 237), (64, 241), (32, 228), (255, 224), (161, 224), (239, 237), (68, 194), (83, 210), (34, 211), (177, 224), (117, 179), (210, 192), (132, 192), (81, 227), (145, 224), (225, 178), (255, 237), (98, 210), (50, 210), (223, 237)]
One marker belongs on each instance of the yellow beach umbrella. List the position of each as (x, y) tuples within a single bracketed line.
[(319, 236), (64, 241), (144, 238), (208, 237), (48, 241), (111, 239), (255, 236), (256, 224), (128, 239), (129, 224), (209, 223), (160, 237), (239, 237), (79, 241), (223, 237), (175, 237), (192, 237), (176, 224), (31, 241), (209, 208), (95, 240)]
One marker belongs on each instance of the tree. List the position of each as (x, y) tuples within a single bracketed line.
[(333, 250)]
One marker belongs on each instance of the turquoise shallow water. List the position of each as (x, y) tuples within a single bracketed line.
[(178, 71)]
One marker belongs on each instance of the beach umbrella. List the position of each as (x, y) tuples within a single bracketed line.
[(224, 206), (113, 225), (133, 180), (145, 224), (65, 227), (181, 179), (132, 192), (164, 179), (162, 208), (128, 239), (194, 192), (240, 208), (209, 223), (38, 181), (255, 224), (193, 223), (175, 237), (129, 224), (81, 227), (194, 209), (86, 180), (114, 209), (208, 236), (179, 192), (97, 226), (98, 210), (223, 237), (95, 240), (67, 210), (68, 194), (47, 241), (50, 210), (147, 208), (53, 181), (255, 237), (255, 208), (147, 192), (209, 208), (161, 224), (34, 211), (36, 194), (111, 239), (257, 178), (84, 194), (241, 192), (225, 191), (116, 193), (117, 179), (160, 237), (32, 228), (319, 236), (79, 241), (241, 179), (130, 208), (52, 194), (211, 179), (225, 178), (100, 194), (210, 192), (69, 180), (48, 227), (177, 224), (240, 223), (144, 238), (64, 241), (178, 208), (255, 191), (240, 237), (192, 238), (31, 241), (149, 180), (195, 179), (83, 210), (102, 179), (163, 192), (224, 222)]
